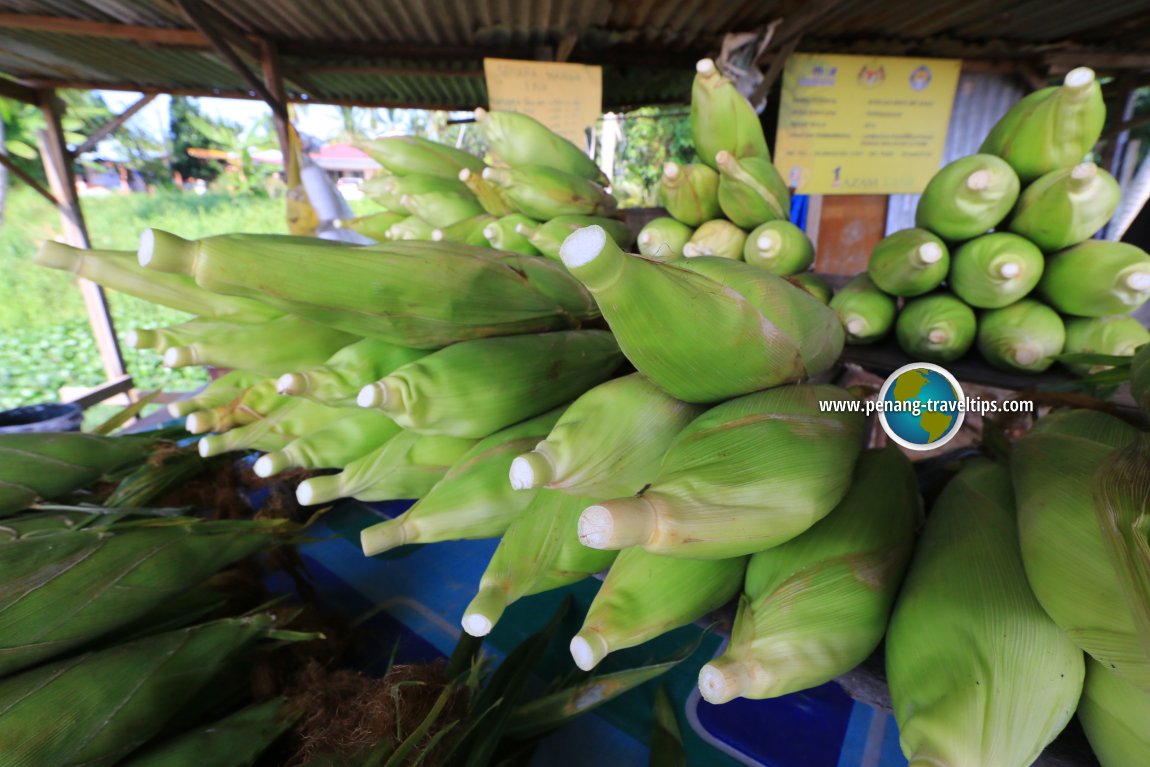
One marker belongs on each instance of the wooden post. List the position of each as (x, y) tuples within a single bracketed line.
[(273, 79), (58, 167)]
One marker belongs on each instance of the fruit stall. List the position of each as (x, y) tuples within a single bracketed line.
[(501, 473)]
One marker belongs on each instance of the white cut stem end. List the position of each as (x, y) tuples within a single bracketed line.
[(582, 246), (1079, 77), (938, 336), (372, 395), (1010, 270), (929, 253), (291, 383), (1138, 281), (705, 66), (856, 326), (477, 625), (587, 649), (978, 181), (1026, 356)]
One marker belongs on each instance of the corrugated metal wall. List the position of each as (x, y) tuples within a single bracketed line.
[(980, 100)]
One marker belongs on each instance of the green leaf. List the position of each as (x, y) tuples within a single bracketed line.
[(1087, 358), (21, 149), (125, 415), (666, 739), (419, 733)]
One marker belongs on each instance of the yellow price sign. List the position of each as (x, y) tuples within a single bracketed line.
[(863, 124), (567, 98)]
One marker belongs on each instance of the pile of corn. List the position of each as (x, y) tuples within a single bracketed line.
[(1006, 233)]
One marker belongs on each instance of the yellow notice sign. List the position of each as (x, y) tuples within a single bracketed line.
[(567, 98), (862, 124)]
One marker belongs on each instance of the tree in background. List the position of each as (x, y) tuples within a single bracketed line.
[(651, 137), (190, 129), (19, 138)]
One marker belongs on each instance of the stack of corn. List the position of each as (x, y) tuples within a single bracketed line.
[(1006, 233)]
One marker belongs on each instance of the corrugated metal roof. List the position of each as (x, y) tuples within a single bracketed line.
[(414, 52)]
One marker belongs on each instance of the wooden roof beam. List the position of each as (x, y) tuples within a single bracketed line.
[(166, 36), (10, 89), (113, 124)]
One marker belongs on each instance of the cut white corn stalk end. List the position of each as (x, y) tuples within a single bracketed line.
[(626, 522), (530, 470), (587, 649)]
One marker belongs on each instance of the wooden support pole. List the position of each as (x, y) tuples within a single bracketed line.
[(273, 79), (21, 174), (10, 89), (112, 125), (58, 166)]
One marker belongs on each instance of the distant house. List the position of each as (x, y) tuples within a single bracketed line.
[(345, 161)]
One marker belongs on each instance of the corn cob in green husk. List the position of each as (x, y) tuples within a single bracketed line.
[(407, 155), (746, 475), (469, 231), (423, 295), (548, 237), (474, 388), (719, 238), (164, 338), (503, 235), (69, 580), (221, 391), (491, 196), (374, 225), (121, 271), (333, 446), (1116, 717), (646, 595), (817, 606), (442, 209), (968, 197), (1052, 128), (909, 262), (49, 465), (936, 328), (867, 314), (411, 228), (780, 247), (95, 709), (1065, 207), (760, 331), (406, 466), (234, 741), (1097, 278), (1023, 337), (690, 193), (390, 192), (252, 404), (1119, 336), (979, 675), (340, 378), (608, 443), (542, 192), (722, 120), (813, 284), (274, 431), (539, 552), (472, 500), (995, 270), (517, 139), (663, 239), (1064, 549), (751, 191)]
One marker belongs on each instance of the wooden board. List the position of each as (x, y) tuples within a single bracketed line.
[(848, 229)]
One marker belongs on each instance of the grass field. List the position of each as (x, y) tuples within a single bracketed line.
[(45, 342)]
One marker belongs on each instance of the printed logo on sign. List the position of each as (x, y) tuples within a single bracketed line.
[(871, 75), (818, 75), (922, 406), (920, 78)]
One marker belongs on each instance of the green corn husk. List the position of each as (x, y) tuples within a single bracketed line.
[(751, 191), (719, 238), (162, 339), (406, 466), (253, 404), (663, 238), (909, 262), (760, 331), (469, 231), (1064, 549), (813, 284), (936, 328), (423, 295), (1023, 337), (227, 388), (747, 475), (867, 314), (49, 465), (352, 436), (780, 247), (339, 379), (538, 552), (1114, 715), (609, 442), (95, 709), (548, 237), (491, 196), (474, 388), (1140, 378), (722, 119), (518, 139), (120, 271), (995, 270), (1097, 278), (1119, 336), (503, 235), (1052, 128), (270, 348), (1065, 207), (407, 155), (817, 606), (393, 191), (543, 193), (472, 500), (979, 675), (442, 209), (374, 225), (690, 193), (411, 228), (968, 197), (234, 741), (274, 431), (645, 596), (68, 581)]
